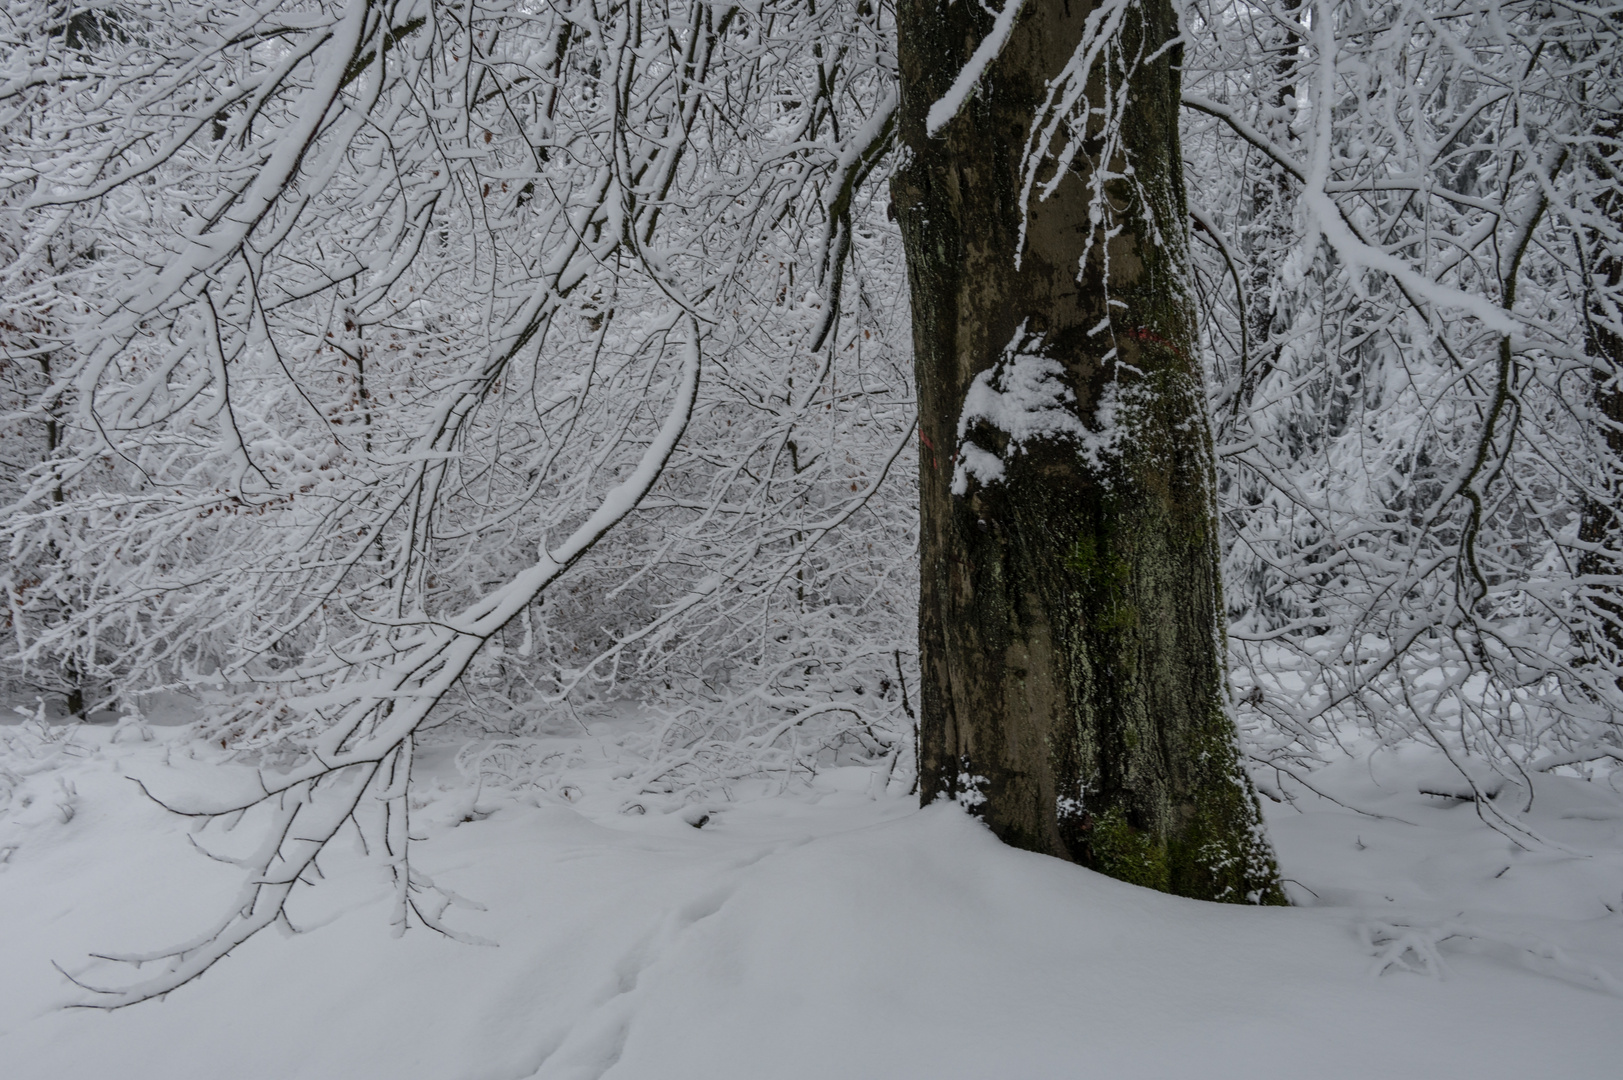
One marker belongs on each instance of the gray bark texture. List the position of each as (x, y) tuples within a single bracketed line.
[(1072, 649)]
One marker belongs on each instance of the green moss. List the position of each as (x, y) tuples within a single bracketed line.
[(1094, 561), (1123, 852), (1203, 837), (1104, 576), (1221, 853)]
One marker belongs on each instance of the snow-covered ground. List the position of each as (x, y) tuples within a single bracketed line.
[(828, 930)]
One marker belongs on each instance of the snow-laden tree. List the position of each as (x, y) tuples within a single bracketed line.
[(401, 317), (1409, 226)]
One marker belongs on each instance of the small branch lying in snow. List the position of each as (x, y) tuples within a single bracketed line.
[(1417, 948)]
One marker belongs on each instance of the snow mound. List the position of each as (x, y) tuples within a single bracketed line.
[(833, 930)]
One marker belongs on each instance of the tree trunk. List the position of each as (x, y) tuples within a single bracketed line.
[(1069, 625)]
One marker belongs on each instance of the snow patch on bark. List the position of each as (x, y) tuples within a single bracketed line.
[(1024, 396)]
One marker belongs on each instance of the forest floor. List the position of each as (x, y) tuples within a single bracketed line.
[(823, 928)]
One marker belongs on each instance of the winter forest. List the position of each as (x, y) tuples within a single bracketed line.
[(811, 538)]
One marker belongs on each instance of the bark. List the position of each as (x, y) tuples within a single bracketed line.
[(1073, 678)]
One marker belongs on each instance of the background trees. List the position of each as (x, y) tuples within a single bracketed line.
[(397, 310), (1412, 450)]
